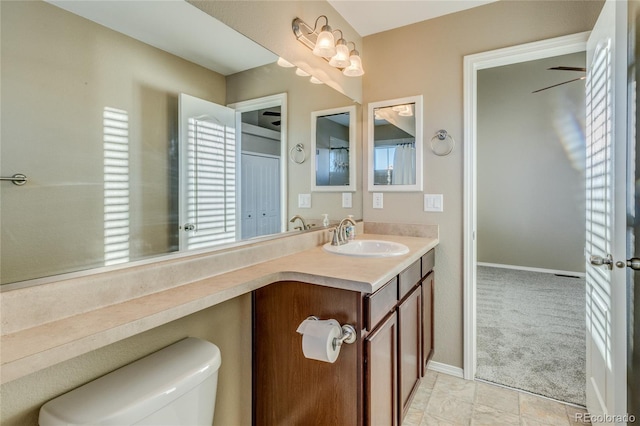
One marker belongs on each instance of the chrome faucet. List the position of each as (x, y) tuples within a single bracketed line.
[(339, 233), (301, 219)]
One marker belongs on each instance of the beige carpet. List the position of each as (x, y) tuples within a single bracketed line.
[(531, 332)]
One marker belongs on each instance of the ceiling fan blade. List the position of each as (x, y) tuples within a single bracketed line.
[(271, 113), (568, 69), (559, 84)]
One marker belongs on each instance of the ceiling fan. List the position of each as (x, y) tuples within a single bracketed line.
[(273, 114), (564, 82)]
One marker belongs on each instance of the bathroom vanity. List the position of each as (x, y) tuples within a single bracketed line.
[(373, 380)]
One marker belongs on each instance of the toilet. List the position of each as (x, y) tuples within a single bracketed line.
[(174, 386)]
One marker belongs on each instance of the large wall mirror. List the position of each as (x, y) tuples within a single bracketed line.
[(333, 143), (91, 96), (395, 145)]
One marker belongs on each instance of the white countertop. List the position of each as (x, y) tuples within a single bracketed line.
[(33, 349)]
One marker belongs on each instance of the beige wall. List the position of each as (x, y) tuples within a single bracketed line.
[(303, 98), (427, 58), (269, 23), (530, 165), (59, 72), (227, 325), (430, 57)]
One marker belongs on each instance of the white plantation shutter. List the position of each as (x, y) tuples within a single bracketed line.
[(211, 192), (599, 219)]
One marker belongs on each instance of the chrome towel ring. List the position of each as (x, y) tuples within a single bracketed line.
[(297, 154), (442, 143)]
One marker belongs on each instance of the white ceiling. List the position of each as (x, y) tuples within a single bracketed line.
[(177, 27), (185, 31), (373, 16)]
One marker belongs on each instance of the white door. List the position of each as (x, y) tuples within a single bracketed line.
[(606, 212), (260, 195), (208, 153)]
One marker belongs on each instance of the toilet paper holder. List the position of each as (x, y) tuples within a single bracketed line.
[(348, 333)]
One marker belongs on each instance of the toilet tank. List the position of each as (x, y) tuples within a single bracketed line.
[(174, 386)]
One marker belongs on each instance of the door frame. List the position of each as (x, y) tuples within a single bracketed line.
[(280, 100), (472, 64)]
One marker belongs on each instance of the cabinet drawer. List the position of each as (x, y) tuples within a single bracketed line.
[(409, 278), (380, 303), (428, 262)]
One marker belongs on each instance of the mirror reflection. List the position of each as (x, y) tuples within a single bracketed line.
[(92, 116), (333, 142), (395, 139)]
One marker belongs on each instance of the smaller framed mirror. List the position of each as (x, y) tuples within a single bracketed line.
[(395, 145), (333, 136)]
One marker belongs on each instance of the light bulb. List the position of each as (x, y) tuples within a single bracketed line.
[(325, 43), (315, 80), (302, 73), (355, 67), (341, 58)]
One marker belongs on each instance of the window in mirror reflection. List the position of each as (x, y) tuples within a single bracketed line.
[(395, 127), (116, 186)]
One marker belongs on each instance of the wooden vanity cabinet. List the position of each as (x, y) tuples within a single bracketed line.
[(409, 348), (412, 312), (428, 284), (373, 380), (289, 389), (381, 373), (427, 320)]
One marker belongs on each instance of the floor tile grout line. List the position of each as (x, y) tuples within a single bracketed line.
[(423, 408), (571, 404)]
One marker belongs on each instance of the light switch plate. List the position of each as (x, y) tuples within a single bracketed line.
[(378, 200), (433, 202), (304, 201), (347, 200)]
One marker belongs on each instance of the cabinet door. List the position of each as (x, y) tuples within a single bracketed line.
[(289, 389), (427, 320), (381, 348), (410, 347)]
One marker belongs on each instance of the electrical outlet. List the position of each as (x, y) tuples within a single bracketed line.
[(304, 201), (378, 200), (433, 202), (347, 200)]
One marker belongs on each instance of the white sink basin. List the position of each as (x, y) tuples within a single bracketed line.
[(368, 248)]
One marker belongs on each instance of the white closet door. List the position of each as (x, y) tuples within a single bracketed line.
[(260, 195)]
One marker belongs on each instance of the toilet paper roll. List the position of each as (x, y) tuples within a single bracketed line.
[(317, 339)]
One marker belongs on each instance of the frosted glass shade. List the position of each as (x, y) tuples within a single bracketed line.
[(355, 67), (341, 58), (325, 44)]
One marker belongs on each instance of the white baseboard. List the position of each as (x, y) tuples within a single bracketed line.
[(527, 268), (446, 369)]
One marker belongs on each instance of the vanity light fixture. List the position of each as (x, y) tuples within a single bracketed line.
[(341, 58), (403, 110), (355, 67), (323, 44), (302, 73), (284, 63), (315, 80)]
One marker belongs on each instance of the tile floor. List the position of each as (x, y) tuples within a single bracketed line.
[(444, 400)]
